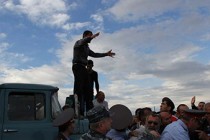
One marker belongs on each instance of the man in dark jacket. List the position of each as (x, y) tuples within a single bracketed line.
[(80, 54), (93, 80)]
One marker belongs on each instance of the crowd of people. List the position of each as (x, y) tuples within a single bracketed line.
[(118, 123)]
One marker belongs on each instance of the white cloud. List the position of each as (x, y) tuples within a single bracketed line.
[(10, 58), (3, 35), (46, 12), (206, 37), (52, 75), (76, 26), (126, 10), (42, 11), (97, 18), (3, 46)]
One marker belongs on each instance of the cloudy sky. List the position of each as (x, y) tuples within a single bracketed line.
[(162, 47)]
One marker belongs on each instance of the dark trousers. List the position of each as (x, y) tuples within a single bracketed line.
[(81, 85), (89, 101)]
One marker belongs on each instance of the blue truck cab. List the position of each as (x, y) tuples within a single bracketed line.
[(28, 110)]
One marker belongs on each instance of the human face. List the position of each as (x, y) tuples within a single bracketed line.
[(71, 126), (194, 124), (101, 97), (106, 125), (201, 106), (152, 123), (147, 112), (89, 67), (207, 109), (89, 35), (181, 109), (164, 106), (165, 118)]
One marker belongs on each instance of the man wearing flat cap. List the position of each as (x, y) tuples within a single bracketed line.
[(65, 124), (100, 124), (181, 129)]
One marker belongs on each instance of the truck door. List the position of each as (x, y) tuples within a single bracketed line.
[(26, 116)]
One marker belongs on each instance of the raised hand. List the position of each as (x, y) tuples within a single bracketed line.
[(110, 53)]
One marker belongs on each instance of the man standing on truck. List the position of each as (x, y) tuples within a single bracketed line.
[(80, 54), (93, 80)]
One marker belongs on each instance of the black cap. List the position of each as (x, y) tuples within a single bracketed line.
[(121, 117), (195, 113), (169, 103), (97, 114), (64, 117)]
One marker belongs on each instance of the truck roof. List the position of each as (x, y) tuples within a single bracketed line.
[(28, 86)]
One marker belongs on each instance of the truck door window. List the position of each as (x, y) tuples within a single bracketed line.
[(56, 108), (26, 106)]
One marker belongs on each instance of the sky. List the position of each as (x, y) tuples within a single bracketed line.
[(162, 47)]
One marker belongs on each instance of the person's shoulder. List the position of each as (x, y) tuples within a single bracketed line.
[(105, 102), (95, 72), (95, 101)]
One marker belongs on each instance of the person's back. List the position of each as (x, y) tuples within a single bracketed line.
[(181, 129)]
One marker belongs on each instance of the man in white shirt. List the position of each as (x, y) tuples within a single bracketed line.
[(99, 101)]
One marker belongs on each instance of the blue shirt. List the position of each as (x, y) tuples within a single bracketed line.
[(117, 135), (175, 131)]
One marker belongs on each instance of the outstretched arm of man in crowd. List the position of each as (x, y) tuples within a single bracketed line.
[(193, 103)]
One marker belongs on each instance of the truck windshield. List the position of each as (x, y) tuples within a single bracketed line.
[(56, 107)]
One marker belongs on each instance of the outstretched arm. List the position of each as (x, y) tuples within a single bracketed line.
[(193, 103), (95, 35), (110, 53)]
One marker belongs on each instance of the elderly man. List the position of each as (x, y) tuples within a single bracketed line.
[(100, 124), (100, 100)]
